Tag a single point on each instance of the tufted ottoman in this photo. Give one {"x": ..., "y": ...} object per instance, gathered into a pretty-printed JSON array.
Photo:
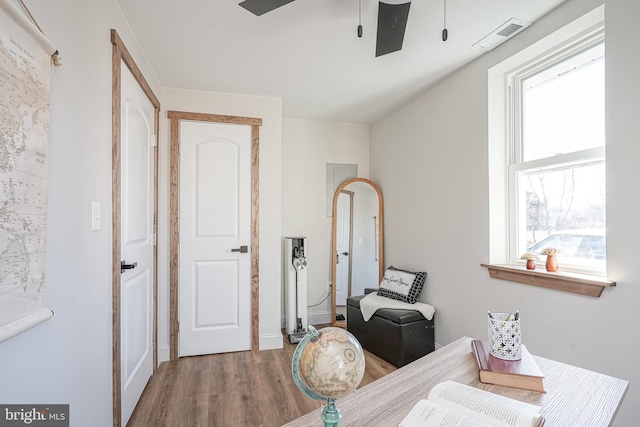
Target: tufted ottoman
[{"x": 397, "y": 336}]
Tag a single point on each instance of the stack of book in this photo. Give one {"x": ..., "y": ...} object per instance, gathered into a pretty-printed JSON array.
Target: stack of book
[{"x": 523, "y": 374}]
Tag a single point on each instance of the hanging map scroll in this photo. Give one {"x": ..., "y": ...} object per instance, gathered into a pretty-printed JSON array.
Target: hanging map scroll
[{"x": 25, "y": 58}]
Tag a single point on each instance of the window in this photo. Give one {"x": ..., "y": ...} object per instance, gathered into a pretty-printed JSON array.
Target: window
[{"x": 556, "y": 172}]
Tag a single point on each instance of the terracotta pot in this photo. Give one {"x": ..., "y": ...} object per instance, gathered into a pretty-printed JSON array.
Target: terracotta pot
[
  {"x": 552, "y": 263},
  {"x": 531, "y": 264}
]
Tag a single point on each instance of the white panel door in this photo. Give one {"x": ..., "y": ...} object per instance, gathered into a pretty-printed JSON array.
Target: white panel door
[
  {"x": 215, "y": 221},
  {"x": 137, "y": 136},
  {"x": 343, "y": 233}
]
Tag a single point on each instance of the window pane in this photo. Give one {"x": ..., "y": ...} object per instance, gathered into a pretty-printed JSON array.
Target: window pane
[
  {"x": 564, "y": 209},
  {"x": 563, "y": 107}
]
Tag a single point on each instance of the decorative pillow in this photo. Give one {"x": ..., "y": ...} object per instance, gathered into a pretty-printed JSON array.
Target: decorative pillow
[{"x": 402, "y": 285}]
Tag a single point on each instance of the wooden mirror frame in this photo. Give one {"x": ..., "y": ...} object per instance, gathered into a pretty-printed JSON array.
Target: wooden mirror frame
[{"x": 334, "y": 322}]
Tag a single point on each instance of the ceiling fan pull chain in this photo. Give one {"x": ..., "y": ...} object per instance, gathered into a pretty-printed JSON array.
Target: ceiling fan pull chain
[
  {"x": 359, "y": 18},
  {"x": 445, "y": 33}
]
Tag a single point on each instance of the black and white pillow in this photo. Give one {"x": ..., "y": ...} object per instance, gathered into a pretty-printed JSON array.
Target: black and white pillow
[{"x": 402, "y": 285}]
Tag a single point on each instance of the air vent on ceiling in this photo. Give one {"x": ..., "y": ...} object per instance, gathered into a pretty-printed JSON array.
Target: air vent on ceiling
[{"x": 502, "y": 34}]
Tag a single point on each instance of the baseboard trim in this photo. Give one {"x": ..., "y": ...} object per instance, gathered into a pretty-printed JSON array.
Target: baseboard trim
[
  {"x": 271, "y": 341},
  {"x": 163, "y": 354},
  {"x": 319, "y": 318}
]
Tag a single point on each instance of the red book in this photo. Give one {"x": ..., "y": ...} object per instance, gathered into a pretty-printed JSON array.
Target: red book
[{"x": 524, "y": 373}]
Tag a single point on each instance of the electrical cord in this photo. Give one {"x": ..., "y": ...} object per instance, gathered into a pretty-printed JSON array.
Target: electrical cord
[{"x": 325, "y": 298}]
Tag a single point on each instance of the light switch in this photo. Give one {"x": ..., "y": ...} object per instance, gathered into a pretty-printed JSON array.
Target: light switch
[
  {"x": 96, "y": 216},
  {"x": 359, "y": 240}
]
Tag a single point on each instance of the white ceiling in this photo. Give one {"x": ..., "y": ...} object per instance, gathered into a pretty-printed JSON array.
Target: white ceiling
[{"x": 307, "y": 52}]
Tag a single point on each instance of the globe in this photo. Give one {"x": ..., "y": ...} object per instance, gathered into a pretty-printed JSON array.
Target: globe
[{"x": 328, "y": 364}]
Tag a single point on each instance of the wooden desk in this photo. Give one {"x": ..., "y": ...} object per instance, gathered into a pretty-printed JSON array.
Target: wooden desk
[{"x": 575, "y": 397}]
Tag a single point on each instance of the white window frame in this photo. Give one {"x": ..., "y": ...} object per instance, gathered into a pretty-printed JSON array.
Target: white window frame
[{"x": 513, "y": 85}]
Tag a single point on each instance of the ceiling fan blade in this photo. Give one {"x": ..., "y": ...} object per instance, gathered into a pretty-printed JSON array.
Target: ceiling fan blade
[
  {"x": 259, "y": 7},
  {"x": 392, "y": 21}
]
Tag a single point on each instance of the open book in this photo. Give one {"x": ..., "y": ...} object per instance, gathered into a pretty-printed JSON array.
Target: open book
[{"x": 453, "y": 404}]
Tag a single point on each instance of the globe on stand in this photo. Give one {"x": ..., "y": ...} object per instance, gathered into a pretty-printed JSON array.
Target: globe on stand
[{"x": 326, "y": 365}]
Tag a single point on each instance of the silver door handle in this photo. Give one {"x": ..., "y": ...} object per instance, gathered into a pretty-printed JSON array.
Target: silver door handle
[{"x": 241, "y": 249}]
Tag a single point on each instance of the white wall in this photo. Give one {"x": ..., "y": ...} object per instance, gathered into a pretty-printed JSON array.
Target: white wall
[
  {"x": 270, "y": 111},
  {"x": 433, "y": 154},
  {"x": 307, "y": 146},
  {"x": 68, "y": 358}
]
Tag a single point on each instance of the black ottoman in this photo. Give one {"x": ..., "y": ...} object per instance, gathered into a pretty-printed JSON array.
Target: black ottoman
[{"x": 397, "y": 336}]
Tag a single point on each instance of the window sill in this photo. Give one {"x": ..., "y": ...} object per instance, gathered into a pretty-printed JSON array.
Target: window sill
[{"x": 568, "y": 282}]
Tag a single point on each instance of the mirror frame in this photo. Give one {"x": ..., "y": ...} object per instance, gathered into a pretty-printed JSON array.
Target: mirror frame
[{"x": 334, "y": 225}]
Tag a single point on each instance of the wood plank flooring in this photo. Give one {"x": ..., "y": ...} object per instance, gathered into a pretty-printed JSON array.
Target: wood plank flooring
[{"x": 251, "y": 388}]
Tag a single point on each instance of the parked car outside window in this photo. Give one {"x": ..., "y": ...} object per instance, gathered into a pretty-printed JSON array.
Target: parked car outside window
[{"x": 580, "y": 247}]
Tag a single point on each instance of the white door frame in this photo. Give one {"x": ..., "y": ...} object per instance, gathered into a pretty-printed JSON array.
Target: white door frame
[
  {"x": 174, "y": 211},
  {"x": 121, "y": 54}
]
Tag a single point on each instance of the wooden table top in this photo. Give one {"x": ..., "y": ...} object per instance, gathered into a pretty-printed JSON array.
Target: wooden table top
[{"x": 574, "y": 397}]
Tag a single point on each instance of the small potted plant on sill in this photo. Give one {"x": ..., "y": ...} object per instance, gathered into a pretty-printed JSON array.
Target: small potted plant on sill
[
  {"x": 552, "y": 260},
  {"x": 531, "y": 260}
]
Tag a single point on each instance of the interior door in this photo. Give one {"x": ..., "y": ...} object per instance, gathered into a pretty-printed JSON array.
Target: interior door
[
  {"x": 215, "y": 238},
  {"x": 343, "y": 244},
  {"x": 137, "y": 179}
]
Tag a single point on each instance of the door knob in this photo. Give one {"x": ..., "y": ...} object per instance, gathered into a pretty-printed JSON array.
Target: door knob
[
  {"x": 241, "y": 249},
  {"x": 124, "y": 266},
  {"x": 345, "y": 253}
]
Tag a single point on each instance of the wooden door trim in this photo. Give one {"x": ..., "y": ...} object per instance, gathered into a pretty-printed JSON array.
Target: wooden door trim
[
  {"x": 174, "y": 215},
  {"x": 120, "y": 53},
  {"x": 218, "y": 118},
  {"x": 350, "y": 272}
]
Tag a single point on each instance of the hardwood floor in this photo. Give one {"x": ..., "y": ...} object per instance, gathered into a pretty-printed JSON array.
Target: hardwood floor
[{"x": 251, "y": 388}]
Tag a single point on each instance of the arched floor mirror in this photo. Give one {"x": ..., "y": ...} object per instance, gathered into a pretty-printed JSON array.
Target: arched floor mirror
[{"x": 356, "y": 243}]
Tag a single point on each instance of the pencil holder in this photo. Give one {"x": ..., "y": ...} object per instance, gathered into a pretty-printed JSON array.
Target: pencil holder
[{"x": 505, "y": 340}]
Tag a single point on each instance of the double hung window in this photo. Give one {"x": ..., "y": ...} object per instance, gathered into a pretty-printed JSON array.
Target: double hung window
[{"x": 556, "y": 171}]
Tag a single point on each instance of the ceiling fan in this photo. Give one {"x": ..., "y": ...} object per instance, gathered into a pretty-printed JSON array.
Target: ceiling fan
[{"x": 392, "y": 21}]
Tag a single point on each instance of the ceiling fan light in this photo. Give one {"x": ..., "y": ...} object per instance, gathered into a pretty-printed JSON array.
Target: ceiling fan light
[
  {"x": 392, "y": 22},
  {"x": 259, "y": 7}
]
